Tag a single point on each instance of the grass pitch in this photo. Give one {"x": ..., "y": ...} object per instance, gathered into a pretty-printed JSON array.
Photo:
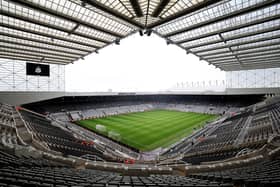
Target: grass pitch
[{"x": 150, "y": 129}]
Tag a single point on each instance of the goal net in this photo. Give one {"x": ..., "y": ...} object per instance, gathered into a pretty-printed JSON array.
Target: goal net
[
  {"x": 100, "y": 128},
  {"x": 114, "y": 135}
]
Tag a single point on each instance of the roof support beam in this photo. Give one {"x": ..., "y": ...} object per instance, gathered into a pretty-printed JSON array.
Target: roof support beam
[
  {"x": 231, "y": 59},
  {"x": 162, "y": 4},
  {"x": 29, "y": 20},
  {"x": 65, "y": 17},
  {"x": 275, "y": 61},
  {"x": 252, "y": 64},
  {"x": 244, "y": 60},
  {"x": 18, "y": 48},
  {"x": 239, "y": 36},
  {"x": 261, "y": 57},
  {"x": 136, "y": 7},
  {"x": 226, "y": 63},
  {"x": 40, "y": 55},
  {"x": 51, "y": 36},
  {"x": 50, "y": 47},
  {"x": 208, "y": 34},
  {"x": 114, "y": 13},
  {"x": 24, "y": 59},
  {"x": 73, "y": 30},
  {"x": 225, "y": 17},
  {"x": 246, "y": 53},
  {"x": 33, "y": 56},
  {"x": 235, "y": 56},
  {"x": 194, "y": 8},
  {"x": 239, "y": 44},
  {"x": 274, "y": 44},
  {"x": 29, "y": 59},
  {"x": 42, "y": 41},
  {"x": 40, "y": 47},
  {"x": 248, "y": 67}
]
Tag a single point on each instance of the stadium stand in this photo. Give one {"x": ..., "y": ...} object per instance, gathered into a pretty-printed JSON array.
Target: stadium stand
[
  {"x": 78, "y": 103},
  {"x": 264, "y": 173},
  {"x": 71, "y": 109},
  {"x": 26, "y": 171},
  {"x": 56, "y": 138},
  {"x": 235, "y": 150}
]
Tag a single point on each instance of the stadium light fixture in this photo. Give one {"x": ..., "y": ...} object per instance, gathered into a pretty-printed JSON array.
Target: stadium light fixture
[
  {"x": 222, "y": 38},
  {"x": 148, "y": 32},
  {"x": 117, "y": 41}
]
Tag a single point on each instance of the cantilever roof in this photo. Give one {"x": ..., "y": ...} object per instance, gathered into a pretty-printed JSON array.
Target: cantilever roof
[{"x": 230, "y": 34}]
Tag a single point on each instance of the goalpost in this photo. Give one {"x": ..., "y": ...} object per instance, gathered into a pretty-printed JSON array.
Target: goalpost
[
  {"x": 114, "y": 135},
  {"x": 111, "y": 134},
  {"x": 101, "y": 128}
]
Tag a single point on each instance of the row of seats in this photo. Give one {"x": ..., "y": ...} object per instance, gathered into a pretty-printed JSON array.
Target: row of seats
[
  {"x": 23, "y": 171},
  {"x": 57, "y": 138},
  {"x": 8, "y": 135},
  {"x": 216, "y": 141},
  {"x": 9, "y": 159},
  {"x": 275, "y": 118},
  {"x": 85, "y": 112},
  {"x": 253, "y": 126},
  {"x": 262, "y": 174},
  {"x": 219, "y": 139}
]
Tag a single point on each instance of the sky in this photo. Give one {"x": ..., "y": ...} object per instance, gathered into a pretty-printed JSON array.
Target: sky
[{"x": 139, "y": 63}]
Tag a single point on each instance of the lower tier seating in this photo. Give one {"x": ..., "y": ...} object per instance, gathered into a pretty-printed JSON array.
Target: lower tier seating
[
  {"x": 261, "y": 174},
  {"x": 56, "y": 138},
  {"x": 16, "y": 171}
]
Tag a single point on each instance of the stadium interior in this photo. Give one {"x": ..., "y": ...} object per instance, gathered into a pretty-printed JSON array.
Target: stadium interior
[{"x": 50, "y": 137}]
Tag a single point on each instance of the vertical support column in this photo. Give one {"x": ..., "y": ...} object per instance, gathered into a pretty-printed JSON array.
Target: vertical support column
[{"x": 14, "y": 76}]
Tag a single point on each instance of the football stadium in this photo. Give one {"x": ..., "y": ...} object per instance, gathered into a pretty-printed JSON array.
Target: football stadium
[{"x": 191, "y": 134}]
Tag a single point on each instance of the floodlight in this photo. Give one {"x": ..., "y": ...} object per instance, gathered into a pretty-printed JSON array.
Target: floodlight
[{"x": 117, "y": 41}]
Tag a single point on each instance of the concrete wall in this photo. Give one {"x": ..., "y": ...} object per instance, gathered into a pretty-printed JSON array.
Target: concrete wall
[{"x": 18, "y": 98}]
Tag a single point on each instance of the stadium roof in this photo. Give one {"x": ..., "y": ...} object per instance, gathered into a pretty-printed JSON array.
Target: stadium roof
[{"x": 230, "y": 34}]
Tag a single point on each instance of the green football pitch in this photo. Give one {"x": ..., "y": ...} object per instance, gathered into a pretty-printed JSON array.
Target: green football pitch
[{"x": 149, "y": 130}]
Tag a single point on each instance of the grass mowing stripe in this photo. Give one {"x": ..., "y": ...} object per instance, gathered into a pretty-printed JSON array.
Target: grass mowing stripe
[
  {"x": 164, "y": 126},
  {"x": 150, "y": 129},
  {"x": 167, "y": 135},
  {"x": 177, "y": 135}
]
